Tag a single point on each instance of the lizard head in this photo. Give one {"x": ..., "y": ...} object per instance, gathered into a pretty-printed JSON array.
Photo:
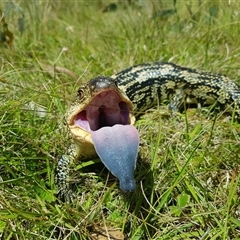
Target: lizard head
[{"x": 101, "y": 122}]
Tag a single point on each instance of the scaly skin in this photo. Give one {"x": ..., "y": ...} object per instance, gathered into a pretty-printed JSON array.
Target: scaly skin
[{"x": 143, "y": 87}]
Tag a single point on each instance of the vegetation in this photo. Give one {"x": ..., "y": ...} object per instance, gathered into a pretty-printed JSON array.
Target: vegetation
[{"x": 188, "y": 170}]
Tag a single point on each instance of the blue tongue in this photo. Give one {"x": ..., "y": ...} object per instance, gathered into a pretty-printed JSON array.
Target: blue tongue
[{"x": 117, "y": 147}]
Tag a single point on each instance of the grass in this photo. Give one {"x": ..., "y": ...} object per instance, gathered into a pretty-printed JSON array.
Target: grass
[{"x": 188, "y": 171}]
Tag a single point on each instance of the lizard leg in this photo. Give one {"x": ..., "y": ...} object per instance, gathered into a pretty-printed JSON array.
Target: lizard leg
[
  {"x": 180, "y": 99},
  {"x": 176, "y": 102},
  {"x": 64, "y": 192}
]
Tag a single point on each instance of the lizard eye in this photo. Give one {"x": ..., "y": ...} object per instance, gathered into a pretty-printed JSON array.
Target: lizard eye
[{"x": 80, "y": 93}]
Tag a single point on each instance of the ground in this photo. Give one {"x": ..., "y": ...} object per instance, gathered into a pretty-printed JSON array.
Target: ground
[{"x": 188, "y": 169}]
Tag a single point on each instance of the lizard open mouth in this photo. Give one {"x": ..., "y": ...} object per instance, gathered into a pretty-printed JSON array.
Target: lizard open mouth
[
  {"x": 108, "y": 120},
  {"x": 105, "y": 109}
]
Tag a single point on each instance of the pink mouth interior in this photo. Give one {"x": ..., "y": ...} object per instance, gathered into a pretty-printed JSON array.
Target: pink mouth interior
[{"x": 106, "y": 109}]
